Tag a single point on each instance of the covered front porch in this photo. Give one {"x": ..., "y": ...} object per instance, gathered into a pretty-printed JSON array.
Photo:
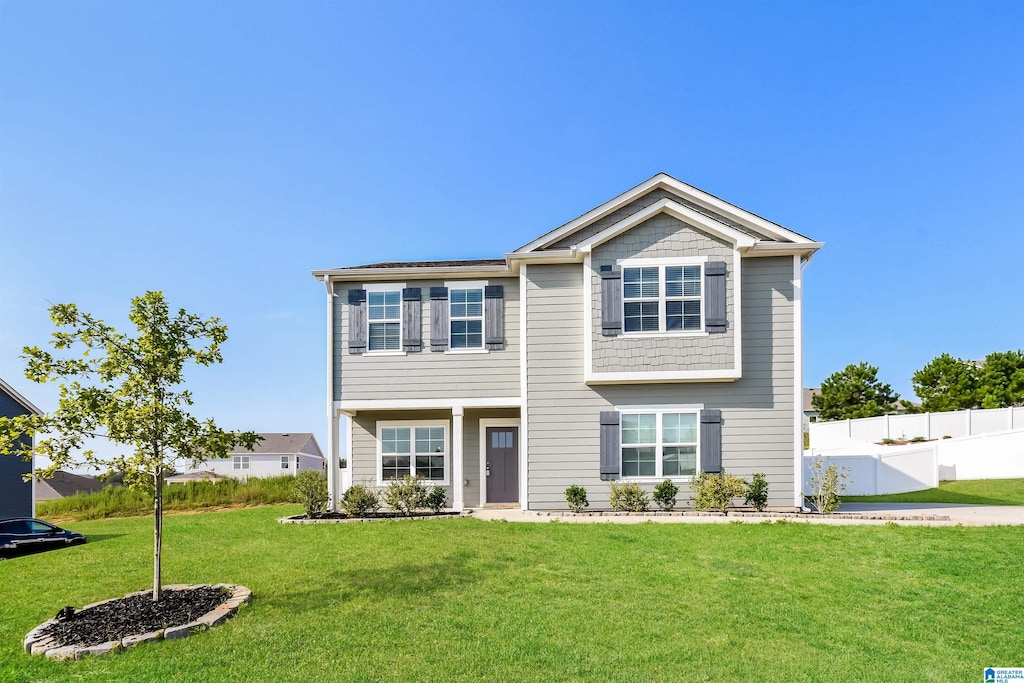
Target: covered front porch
[{"x": 472, "y": 449}]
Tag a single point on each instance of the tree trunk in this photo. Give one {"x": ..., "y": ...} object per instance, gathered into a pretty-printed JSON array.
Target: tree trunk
[{"x": 158, "y": 530}]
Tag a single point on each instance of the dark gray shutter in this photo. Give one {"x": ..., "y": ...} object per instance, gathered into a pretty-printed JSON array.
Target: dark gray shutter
[
  {"x": 714, "y": 297},
  {"x": 356, "y": 320},
  {"x": 611, "y": 301},
  {"x": 438, "y": 318},
  {"x": 494, "y": 317},
  {"x": 711, "y": 441},
  {"x": 412, "y": 328},
  {"x": 611, "y": 447}
]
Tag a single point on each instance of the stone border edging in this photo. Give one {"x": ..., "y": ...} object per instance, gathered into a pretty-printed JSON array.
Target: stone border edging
[
  {"x": 351, "y": 520},
  {"x": 38, "y": 644},
  {"x": 754, "y": 515}
]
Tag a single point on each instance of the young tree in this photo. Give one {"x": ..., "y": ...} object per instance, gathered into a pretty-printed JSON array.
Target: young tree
[
  {"x": 947, "y": 383},
  {"x": 1002, "y": 380},
  {"x": 855, "y": 391},
  {"x": 126, "y": 389}
]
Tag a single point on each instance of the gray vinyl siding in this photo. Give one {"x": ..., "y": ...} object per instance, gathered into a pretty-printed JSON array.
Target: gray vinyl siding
[
  {"x": 758, "y": 432},
  {"x": 363, "y": 458},
  {"x": 662, "y": 236},
  {"x": 427, "y": 374},
  {"x": 15, "y": 493}
]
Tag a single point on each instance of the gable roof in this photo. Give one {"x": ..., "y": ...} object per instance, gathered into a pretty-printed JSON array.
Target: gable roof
[
  {"x": 694, "y": 199},
  {"x": 63, "y": 484},
  {"x": 281, "y": 443},
  {"x": 18, "y": 398}
]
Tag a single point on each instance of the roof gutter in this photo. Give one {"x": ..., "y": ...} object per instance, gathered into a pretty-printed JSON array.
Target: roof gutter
[{"x": 413, "y": 273}]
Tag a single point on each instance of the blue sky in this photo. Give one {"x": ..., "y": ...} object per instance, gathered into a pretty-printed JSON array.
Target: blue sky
[{"x": 220, "y": 151}]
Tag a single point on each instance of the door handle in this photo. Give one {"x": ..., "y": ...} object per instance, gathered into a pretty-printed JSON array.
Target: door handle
[{"x": 488, "y": 471}]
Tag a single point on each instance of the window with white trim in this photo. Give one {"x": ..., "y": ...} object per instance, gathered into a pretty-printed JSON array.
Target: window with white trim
[
  {"x": 662, "y": 298},
  {"x": 239, "y": 462},
  {"x": 384, "y": 317},
  {"x": 466, "y": 318},
  {"x": 418, "y": 450},
  {"x": 659, "y": 444},
  {"x": 286, "y": 462}
]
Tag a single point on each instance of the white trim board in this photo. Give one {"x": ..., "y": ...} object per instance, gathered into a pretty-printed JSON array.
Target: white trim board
[
  {"x": 486, "y": 422},
  {"x": 352, "y": 407}
]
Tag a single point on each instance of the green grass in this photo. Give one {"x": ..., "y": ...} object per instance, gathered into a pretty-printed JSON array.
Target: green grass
[
  {"x": 971, "y": 492},
  {"x": 466, "y": 600},
  {"x": 120, "y": 501}
]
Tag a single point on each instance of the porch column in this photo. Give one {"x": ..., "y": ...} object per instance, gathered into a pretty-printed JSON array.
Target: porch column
[
  {"x": 458, "y": 500},
  {"x": 332, "y": 461}
]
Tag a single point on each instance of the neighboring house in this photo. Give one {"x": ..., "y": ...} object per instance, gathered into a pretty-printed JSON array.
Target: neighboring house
[
  {"x": 810, "y": 412},
  {"x": 275, "y": 455},
  {"x": 656, "y": 336},
  {"x": 16, "y": 498},
  {"x": 63, "y": 484}
]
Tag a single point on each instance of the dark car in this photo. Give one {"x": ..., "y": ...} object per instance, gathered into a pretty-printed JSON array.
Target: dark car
[{"x": 23, "y": 535}]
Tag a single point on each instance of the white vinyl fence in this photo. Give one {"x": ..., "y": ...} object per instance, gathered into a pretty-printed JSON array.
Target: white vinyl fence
[
  {"x": 954, "y": 425},
  {"x": 875, "y": 469}
]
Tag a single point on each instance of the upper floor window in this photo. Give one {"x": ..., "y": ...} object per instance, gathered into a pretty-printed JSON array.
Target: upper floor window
[
  {"x": 384, "y": 314},
  {"x": 467, "y": 318},
  {"x": 662, "y": 298}
]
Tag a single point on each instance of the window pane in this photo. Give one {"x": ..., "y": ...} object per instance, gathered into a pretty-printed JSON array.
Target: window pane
[
  {"x": 679, "y": 428},
  {"x": 691, "y": 281},
  {"x": 394, "y": 440},
  {"x": 679, "y": 461},
  {"x": 673, "y": 315},
  {"x": 385, "y": 336},
  {"x": 395, "y": 466},
  {"x": 638, "y": 428},
  {"x": 467, "y": 334},
  {"x": 430, "y": 439},
  {"x": 430, "y": 467},
  {"x": 649, "y": 282},
  {"x": 673, "y": 281},
  {"x": 691, "y": 315},
  {"x": 638, "y": 462}
]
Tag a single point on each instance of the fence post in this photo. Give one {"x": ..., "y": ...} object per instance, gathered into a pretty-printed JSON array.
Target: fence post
[
  {"x": 849, "y": 429},
  {"x": 888, "y": 427},
  {"x": 1009, "y": 416},
  {"x": 928, "y": 426},
  {"x": 968, "y": 422},
  {"x": 878, "y": 458}
]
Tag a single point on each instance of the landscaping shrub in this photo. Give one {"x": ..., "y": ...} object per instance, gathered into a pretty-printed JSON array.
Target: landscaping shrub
[
  {"x": 757, "y": 492},
  {"x": 716, "y": 491},
  {"x": 311, "y": 492},
  {"x": 665, "y": 495},
  {"x": 628, "y": 497},
  {"x": 359, "y": 500},
  {"x": 405, "y": 495},
  {"x": 436, "y": 499},
  {"x": 576, "y": 497},
  {"x": 827, "y": 485}
]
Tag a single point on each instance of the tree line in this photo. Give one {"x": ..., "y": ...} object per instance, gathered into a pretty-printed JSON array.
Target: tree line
[{"x": 944, "y": 383}]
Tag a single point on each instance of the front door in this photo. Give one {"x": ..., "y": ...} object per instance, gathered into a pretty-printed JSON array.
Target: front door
[{"x": 502, "y": 464}]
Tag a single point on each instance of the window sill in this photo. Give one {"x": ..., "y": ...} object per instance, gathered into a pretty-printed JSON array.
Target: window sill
[
  {"x": 457, "y": 352},
  {"x": 693, "y": 333},
  {"x": 385, "y": 353},
  {"x": 685, "y": 479},
  {"x": 426, "y": 482}
]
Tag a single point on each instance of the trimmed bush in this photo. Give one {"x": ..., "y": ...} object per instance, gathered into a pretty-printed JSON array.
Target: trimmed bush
[
  {"x": 757, "y": 492},
  {"x": 311, "y": 492},
  {"x": 665, "y": 495},
  {"x": 405, "y": 495},
  {"x": 436, "y": 499},
  {"x": 359, "y": 500},
  {"x": 576, "y": 497},
  {"x": 716, "y": 491},
  {"x": 628, "y": 497},
  {"x": 827, "y": 485}
]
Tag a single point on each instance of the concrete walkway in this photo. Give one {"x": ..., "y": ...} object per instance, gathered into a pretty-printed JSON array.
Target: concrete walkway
[{"x": 967, "y": 515}]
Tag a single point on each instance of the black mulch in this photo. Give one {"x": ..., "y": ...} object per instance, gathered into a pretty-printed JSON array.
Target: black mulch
[{"x": 134, "y": 616}]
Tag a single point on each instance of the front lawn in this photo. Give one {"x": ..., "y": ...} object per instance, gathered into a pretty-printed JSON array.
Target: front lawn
[
  {"x": 971, "y": 492},
  {"x": 465, "y": 600}
]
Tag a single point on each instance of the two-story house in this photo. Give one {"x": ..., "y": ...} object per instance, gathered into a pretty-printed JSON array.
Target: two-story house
[{"x": 654, "y": 337}]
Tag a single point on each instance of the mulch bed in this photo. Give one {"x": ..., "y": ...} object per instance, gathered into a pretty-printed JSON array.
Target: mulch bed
[
  {"x": 386, "y": 514},
  {"x": 133, "y": 615}
]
